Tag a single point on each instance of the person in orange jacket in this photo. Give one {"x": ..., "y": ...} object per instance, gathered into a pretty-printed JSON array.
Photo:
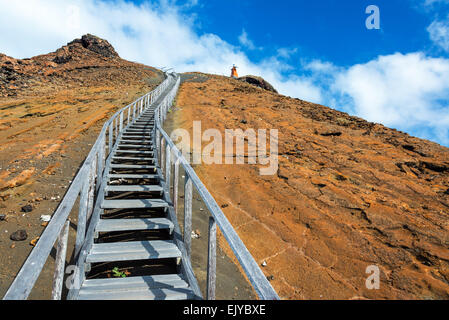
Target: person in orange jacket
[{"x": 234, "y": 72}]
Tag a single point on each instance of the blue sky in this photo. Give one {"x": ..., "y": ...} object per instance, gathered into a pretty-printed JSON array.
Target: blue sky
[
  {"x": 327, "y": 30},
  {"x": 318, "y": 51}
]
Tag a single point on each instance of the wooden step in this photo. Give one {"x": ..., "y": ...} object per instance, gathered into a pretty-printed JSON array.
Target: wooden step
[
  {"x": 133, "y": 250},
  {"x": 140, "y": 294},
  {"x": 134, "y": 188},
  {"x": 132, "y": 176},
  {"x": 112, "y": 225},
  {"x": 146, "y": 129},
  {"x": 133, "y": 159},
  {"x": 148, "y": 133},
  {"x": 141, "y": 126},
  {"x": 134, "y": 152},
  {"x": 133, "y": 204},
  {"x": 155, "y": 281},
  {"x": 134, "y": 146},
  {"x": 138, "y": 132},
  {"x": 137, "y": 138},
  {"x": 131, "y": 166},
  {"x": 135, "y": 141}
]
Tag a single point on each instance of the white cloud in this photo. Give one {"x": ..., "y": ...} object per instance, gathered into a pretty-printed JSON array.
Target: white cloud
[
  {"x": 286, "y": 53},
  {"x": 432, "y": 2},
  {"x": 245, "y": 41},
  {"x": 409, "y": 92},
  {"x": 439, "y": 33}
]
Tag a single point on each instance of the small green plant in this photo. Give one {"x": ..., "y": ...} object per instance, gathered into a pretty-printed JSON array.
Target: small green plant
[{"x": 117, "y": 273}]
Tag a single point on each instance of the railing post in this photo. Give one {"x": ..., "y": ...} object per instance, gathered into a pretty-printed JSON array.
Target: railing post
[
  {"x": 162, "y": 155},
  {"x": 211, "y": 259},
  {"x": 91, "y": 196},
  {"x": 61, "y": 251},
  {"x": 111, "y": 136},
  {"x": 159, "y": 114},
  {"x": 114, "y": 122},
  {"x": 167, "y": 167},
  {"x": 82, "y": 216},
  {"x": 121, "y": 121},
  {"x": 188, "y": 214},
  {"x": 175, "y": 186},
  {"x": 100, "y": 162}
]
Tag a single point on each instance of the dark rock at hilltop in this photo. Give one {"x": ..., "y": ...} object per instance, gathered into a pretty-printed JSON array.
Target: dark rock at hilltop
[
  {"x": 259, "y": 82},
  {"x": 97, "y": 45}
]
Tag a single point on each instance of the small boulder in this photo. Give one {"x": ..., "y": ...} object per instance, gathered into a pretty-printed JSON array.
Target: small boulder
[
  {"x": 27, "y": 208},
  {"x": 45, "y": 218},
  {"x": 19, "y": 235},
  {"x": 331, "y": 134},
  {"x": 258, "y": 82}
]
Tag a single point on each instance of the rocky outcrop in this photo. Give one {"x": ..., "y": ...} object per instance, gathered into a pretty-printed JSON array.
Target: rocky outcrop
[
  {"x": 259, "y": 82},
  {"x": 88, "y": 52},
  {"x": 97, "y": 45},
  {"x": 89, "y": 42}
]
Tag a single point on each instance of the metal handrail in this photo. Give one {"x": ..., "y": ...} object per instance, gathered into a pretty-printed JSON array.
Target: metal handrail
[
  {"x": 172, "y": 156},
  {"x": 85, "y": 184}
]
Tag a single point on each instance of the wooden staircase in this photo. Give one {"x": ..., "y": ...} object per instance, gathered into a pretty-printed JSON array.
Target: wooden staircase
[{"x": 134, "y": 187}]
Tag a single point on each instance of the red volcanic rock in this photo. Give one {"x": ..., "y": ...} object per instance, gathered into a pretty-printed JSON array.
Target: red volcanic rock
[
  {"x": 97, "y": 45},
  {"x": 258, "y": 82}
]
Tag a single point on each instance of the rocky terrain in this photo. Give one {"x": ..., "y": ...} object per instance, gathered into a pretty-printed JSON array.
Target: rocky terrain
[
  {"x": 52, "y": 108},
  {"x": 348, "y": 194}
]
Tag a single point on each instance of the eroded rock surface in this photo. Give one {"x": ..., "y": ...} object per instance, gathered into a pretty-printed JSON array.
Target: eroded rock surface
[{"x": 258, "y": 82}]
